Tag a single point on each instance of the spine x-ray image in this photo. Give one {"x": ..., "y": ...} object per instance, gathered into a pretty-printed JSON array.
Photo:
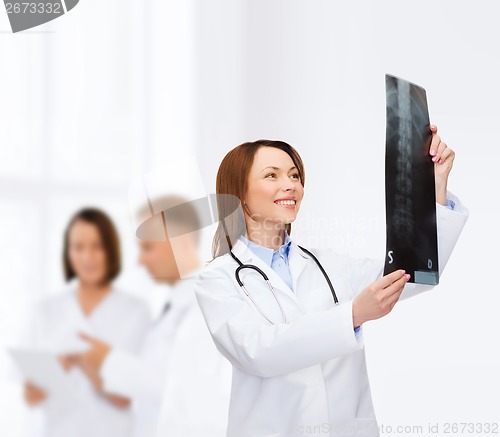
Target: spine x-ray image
[{"x": 409, "y": 184}]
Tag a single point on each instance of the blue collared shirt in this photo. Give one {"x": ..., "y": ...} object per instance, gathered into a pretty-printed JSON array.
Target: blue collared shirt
[{"x": 276, "y": 259}]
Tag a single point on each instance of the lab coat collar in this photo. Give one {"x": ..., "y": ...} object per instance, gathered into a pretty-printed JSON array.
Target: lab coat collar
[
  {"x": 297, "y": 261},
  {"x": 106, "y": 301}
]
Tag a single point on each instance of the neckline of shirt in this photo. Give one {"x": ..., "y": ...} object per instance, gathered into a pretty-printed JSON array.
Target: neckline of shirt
[{"x": 266, "y": 254}]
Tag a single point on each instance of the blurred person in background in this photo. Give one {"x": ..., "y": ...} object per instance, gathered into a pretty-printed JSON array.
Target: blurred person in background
[
  {"x": 180, "y": 383},
  {"x": 92, "y": 304}
]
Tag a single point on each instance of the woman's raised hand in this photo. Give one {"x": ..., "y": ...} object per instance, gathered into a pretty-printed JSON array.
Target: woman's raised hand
[
  {"x": 443, "y": 157},
  {"x": 378, "y": 299}
]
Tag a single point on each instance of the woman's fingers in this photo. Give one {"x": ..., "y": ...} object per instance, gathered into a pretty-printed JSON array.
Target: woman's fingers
[
  {"x": 436, "y": 140},
  {"x": 377, "y": 299},
  {"x": 33, "y": 394},
  {"x": 390, "y": 278},
  {"x": 390, "y": 294},
  {"x": 447, "y": 153},
  {"x": 439, "y": 152},
  {"x": 396, "y": 287}
]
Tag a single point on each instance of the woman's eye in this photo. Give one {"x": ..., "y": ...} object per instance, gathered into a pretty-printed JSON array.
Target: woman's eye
[
  {"x": 270, "y": 174},
  {"x": 296, "y": 175}
]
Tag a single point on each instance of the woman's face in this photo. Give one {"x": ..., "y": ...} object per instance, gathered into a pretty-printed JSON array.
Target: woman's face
[
  {"x": 86, "y": 253},
  {"x": 274, "y": 188}
]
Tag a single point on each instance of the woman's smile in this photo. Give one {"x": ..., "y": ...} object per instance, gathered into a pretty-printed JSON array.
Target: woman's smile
[{"x": 287, "y": 202}]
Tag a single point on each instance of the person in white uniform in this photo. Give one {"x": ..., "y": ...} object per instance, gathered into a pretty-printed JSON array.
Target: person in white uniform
[
  {"x": 179, "y": 384},
  {"x": 92, "y": 304},
  {"x": 306, "y": 375}
]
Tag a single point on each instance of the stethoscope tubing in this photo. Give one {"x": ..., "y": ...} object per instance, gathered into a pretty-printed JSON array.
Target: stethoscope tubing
[{"x": 242, "y": 266}]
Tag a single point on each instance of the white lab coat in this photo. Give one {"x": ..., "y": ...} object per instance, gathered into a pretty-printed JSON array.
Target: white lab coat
[
  {"x": 120, "y": 320},
  {"x": 308, "y": 377},
  {"x": 180, "y": 383}
]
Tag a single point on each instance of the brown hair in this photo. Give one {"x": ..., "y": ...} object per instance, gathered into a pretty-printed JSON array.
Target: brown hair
[
  {"x": 232, "y": 179},
  {"x": 109, "y": 238}
]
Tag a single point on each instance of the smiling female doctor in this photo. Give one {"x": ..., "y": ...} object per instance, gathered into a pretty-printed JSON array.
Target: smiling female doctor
[{"x": 298, "y": 358}]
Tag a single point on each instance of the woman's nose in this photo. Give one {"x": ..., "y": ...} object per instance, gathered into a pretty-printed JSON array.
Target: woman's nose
[{"x": 288, "y": 186}]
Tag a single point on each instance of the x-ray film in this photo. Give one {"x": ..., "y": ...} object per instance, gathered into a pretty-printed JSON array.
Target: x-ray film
[{"x": 409, "y": 184}]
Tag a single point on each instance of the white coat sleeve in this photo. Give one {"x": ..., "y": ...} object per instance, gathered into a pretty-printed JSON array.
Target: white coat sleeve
[
  {"x": 127, "y": 375},
  {"x": 364, "y": 271},
  {"x": 138, "y": 325},
  {"x": 257, "y": 348},
  {"x": 198, "y": 385}
]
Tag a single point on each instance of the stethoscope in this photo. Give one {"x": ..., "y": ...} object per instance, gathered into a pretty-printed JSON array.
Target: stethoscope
[{"x": 254, "y": 267}]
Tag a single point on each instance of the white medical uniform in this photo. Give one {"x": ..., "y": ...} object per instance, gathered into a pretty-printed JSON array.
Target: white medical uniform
[
  {"x": 307, "y": 377},
  {"x": 180, "y": 383},
  {"x": 120, "y": 320}
]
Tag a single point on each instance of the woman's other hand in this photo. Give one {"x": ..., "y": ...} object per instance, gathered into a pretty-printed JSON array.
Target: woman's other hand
[
  {"x": 378, "y": 299},
  {"x": 90, "y": 362},
  {"x": 66, "y": 362},
  {"x": 33, "y": 395},
  {"x": 443, "y": 157}
]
